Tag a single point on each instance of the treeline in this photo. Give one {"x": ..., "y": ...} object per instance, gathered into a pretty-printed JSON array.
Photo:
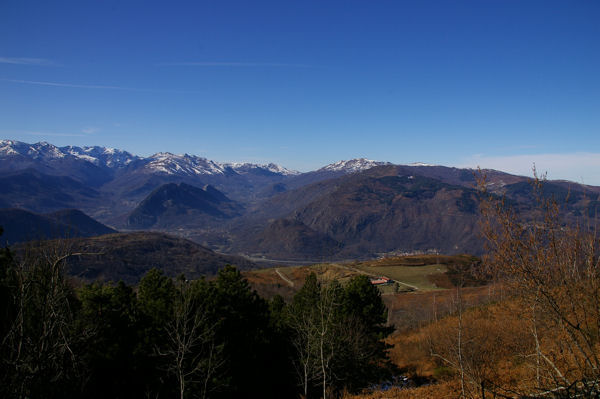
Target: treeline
[{"x": 170, "y": 337}]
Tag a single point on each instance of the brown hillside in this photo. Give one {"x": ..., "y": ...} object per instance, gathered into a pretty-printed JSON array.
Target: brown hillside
[{"x": 128, "y": 256}]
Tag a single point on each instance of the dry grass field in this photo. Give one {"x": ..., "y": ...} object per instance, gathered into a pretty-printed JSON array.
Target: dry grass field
[
  {"x": 422, "y": 304},
  {"x": 420, "y": 273}
]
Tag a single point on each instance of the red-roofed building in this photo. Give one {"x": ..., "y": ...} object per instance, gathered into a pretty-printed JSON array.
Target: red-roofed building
[{"x": 380, "y": 280}]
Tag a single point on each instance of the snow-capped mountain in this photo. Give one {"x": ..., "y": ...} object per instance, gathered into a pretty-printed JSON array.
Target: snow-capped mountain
[
  {"x": 265, "y": 209},
  {"x": 245, "y": 167},
  {"x": 168, "y": 163},
  {"x": 37, "y": 151},
  {"x": 352, "y": 165},
  {"x": 186, "y": 165},
  {"x": 162, "y": 163},
  {"x": 43, "y": 151},
  {"x": 106, "y": 181},
  {"x": 111, "y": 158},
  {"x": 101, "y": 156},
  {"x": 420, "y": 164}
]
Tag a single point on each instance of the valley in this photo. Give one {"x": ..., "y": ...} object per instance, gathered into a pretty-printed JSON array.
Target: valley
[{"x": 356, "y": 209}]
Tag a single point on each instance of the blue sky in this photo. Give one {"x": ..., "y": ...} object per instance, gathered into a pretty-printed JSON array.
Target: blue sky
[{"x": 499, "y": 84}]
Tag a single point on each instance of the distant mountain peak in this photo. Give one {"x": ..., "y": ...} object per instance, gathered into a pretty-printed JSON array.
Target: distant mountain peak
[
  {"x": 179, "y": 203},
  {"x": 41, "y": 150},
  {"x": 245, "y": 167},
  {"x": 6, "y": 147},
  {"x": 420, "y": 164},
  {"x": 105, "y": 156},
  {"x": 183, "y": 164},
  {"x": 272, "y": 167},
  {"x": 353, "y": 165},
  {"x": 162, "y": 162},
  {"x": 99, "y": 156}
]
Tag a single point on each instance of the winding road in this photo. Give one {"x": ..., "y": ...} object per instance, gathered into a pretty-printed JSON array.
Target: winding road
[{"x": 284, "y": 278}]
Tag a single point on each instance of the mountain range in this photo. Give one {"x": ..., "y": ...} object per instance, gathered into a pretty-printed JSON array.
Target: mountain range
[{"x": 348, "y": 209}]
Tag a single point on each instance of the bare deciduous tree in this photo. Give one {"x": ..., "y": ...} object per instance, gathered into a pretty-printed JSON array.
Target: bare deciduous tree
[
  {"x": 328, "y": 329},
  {"x": 304, "y": 340},
  {"x": 194, "y": 357},
  {"x": 316, "y": 323},
  {"x": 551, "y": 261},
  {"x": 39, "y": 346}
]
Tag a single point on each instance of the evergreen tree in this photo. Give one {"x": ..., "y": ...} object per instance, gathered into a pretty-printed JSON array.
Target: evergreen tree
[
  {"x": 242, "y": 327},
  {"x": 364, "y": 355},
  {"x": 156, "y": 297},
  {"x": 108, "y": 318},
  {"x": 280, "y": 350},
  {"x": 337, "y": 335},
  {"x": 8, "y": 308}
]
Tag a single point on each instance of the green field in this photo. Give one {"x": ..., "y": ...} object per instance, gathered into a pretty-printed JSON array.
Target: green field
[{"x": 416, "y": 276}]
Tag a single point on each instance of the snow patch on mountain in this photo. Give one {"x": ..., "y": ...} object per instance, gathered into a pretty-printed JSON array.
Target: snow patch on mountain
[
  {"x": 420, "y": 164},
  {"x": 352, "y": 165},
  {"x": 7, "y": 148},
  {"x": 41, "y": 150},
  {"x": 99, "y": 156},
  {"x": 245, "y": 167},
  {"x": 171, "y": 164},
  {"x": 102, "y": 156}
]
